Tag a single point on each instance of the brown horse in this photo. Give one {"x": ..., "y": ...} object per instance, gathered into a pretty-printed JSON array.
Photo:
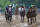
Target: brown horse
[
  {"x": 29, "y": 15},
  {"x": 34, "y": 13}
]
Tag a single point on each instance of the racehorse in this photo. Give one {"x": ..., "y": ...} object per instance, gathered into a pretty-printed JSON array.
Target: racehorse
[
  {"x": 22, "y": 14},
  {"x": 29, "y": 15},
  {"x": 8, "y": 13},
  {"x": 34, "y": 13}
]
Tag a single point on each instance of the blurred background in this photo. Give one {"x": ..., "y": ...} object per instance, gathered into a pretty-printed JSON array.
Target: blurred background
[{"x": 27, "y": 3}]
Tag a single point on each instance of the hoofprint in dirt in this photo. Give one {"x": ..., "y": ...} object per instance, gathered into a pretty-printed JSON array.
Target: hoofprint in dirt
[{"x": 16, "y": 22}]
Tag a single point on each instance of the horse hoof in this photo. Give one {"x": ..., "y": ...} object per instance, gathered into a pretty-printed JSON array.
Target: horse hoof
[
  {"x": 22, "y": 21},
  {"x": 35, "y": 22},
  {"x": 29, "y": 24}
]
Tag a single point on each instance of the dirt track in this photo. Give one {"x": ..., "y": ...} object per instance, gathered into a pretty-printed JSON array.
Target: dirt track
[{"x": 16, "y": 22}]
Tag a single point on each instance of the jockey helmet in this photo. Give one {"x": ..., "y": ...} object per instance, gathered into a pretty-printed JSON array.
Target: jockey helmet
[{"x": 10, "y": 5}]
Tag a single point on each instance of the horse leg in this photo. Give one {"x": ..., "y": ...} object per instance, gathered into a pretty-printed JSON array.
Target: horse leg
[
  {"x": 31, "y": 20},
  {"x": 21, "y": 17},
  {"x": 35, "y": 18},
  {"x": 6, "y": 18},
  {"x": 28, "y": 20},
  {"x": 10, "y": 18}
]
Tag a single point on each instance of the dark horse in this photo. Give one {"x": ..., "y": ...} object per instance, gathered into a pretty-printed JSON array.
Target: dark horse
[
  {"x": 8, "y": 14},
  {"x": 29, "y": 15},
  {"x": 34, "y": 15},
  {"x": 22, "y": 14}
]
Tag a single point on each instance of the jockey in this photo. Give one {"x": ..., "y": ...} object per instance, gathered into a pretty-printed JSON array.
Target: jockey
[
  {"x": 7, "y": 8},
  {"x": 22, "y": 8},
  {"x": 10, "y": 10},
  {"x": 22, "y": 11},
  {"x": 30, "y": 8},
  {"x": 16, "y": 10},
  {"x": 34, "y": 8},
  {"x": 10, "y": 7},
  {"x": 29, "y": 11}
]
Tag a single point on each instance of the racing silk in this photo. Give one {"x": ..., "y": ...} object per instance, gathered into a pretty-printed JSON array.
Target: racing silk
[
  {"x": 10, "y": 11},
  {"x": 22, "y": 9}
]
